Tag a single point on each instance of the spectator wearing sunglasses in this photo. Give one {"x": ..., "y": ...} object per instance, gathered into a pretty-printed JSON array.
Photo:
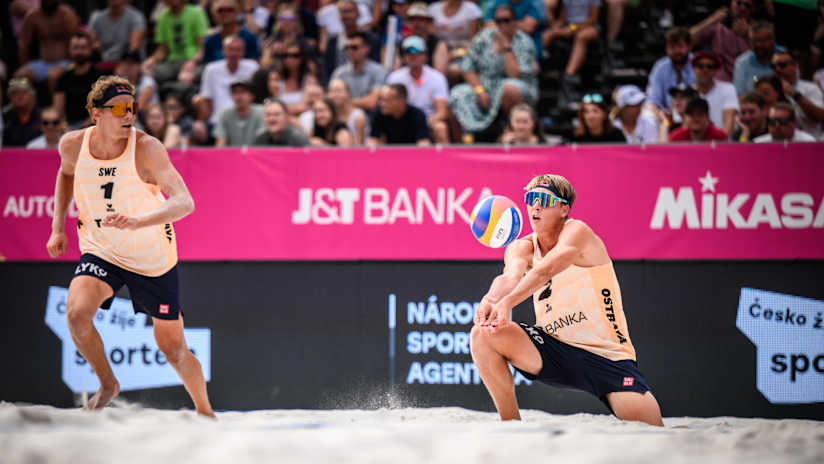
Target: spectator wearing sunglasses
[
  {"x": 22, "y": 117},
  {"x": 752, "y": 120},
  {"x": 225, "y": 14},
  {"x": 757, "y": 62},
  {"x": 363, "y": 76},
  {"x": 52, "y": 125},
  {"x": 782, "y": 126},
  {"x": 334, "y": 48},
  {"x": 672, "y": 70},
  {"x": 529, "y": 17},
  {"x": 697, "y": 126},
  {"x": 805, "y": 96},
  {"x": 594, "y": 125},
  {"x": 720, "y": 96},
  {"x": 726, "y": 32}
]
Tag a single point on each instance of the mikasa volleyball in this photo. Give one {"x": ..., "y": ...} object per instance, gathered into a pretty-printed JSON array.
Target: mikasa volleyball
[{"x": 496, "y": 221}]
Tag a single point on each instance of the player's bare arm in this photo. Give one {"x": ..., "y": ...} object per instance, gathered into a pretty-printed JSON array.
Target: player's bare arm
[
  {"x": 69, "y": 148},
  {"x": 516, "y": 263},
  {"x": 572, "y": 245},
  {"x": 155, "y": 167}
]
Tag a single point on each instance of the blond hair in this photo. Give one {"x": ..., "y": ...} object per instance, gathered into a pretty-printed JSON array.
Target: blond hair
[
  {"x": 100, "y": 86},
  {"x": 557, "y": 182}
]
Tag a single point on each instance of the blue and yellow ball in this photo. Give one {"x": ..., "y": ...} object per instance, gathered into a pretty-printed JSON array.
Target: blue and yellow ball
[{"x": 496, "y": 221}]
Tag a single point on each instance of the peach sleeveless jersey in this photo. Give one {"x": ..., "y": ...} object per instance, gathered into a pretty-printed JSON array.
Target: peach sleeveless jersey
[
  {"x": 103, "y": 187},
  {"x": 582, "y": 307}
]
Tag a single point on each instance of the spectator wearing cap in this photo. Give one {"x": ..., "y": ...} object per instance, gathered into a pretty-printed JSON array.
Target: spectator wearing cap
[
  {"x": 637, "y": 125},
  {"x": 594, "y": 125},
  {"x": 179, "y": 35},
  {"x": 805, "y": 96},
  {"x": 363, "y": 76},
  {"x": 50, "y": 28},
  {"x": 752, "y": 120},
  {"x": 279, "y": 131},
  {"x": 225, "y": 14},
  {"x": 397, "y": 122},
  {"x": 76, "y": 82},
  {"x": 720, "y": 95},
  {"x": 671, "y": 70},
  {"x": 680, "y": 95},
  {"x": 53, "y": 125},
  {"x": 456, "y": 21},
  {"x": 782, "y": 126},
  {"x": 334, "y": 48},
  {"x": 726, "y": 32},
  {"x": 241, "y": 123},
  {"x": 215, "y": 93},
  {"x": 22, "y": 117},
  {"x": 420, "y": 22},
  {"x": 757, "y": 62},
  {"x": 578, "y": 22},
  {"x": 697, "y": 125},
  {"x": 145, "y": 85},
  {"x": 116, "y": 30},
  {"x": 426, "y": 88}
]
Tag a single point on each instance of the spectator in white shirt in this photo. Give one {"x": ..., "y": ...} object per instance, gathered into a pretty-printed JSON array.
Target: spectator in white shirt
[
  {"x": 720, "y": 95},
  {"x": 782, "y": 126},
  {"x": 215, "y": 94},
  {"x": 806, "y": 97},
  {"x": 53, "y": 126},
  {"x": 638, "y": 126}
]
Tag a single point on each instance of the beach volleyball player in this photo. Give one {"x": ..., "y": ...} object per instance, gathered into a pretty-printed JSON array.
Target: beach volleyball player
[
  {"x": 580, "y": 339},
  {"x": 116, "y": 174}
]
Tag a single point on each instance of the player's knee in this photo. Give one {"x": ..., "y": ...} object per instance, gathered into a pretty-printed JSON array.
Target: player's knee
[
  {"x": 174, "y": 350},
  {"x": 78, "y": 314},
  {"x": 479, "y": 339}
]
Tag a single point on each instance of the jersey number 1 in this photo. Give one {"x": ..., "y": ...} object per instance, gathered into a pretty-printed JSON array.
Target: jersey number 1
[{"x": 107, "y": 190}]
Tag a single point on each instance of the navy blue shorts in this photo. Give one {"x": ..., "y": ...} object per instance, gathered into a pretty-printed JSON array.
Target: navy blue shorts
[
  {"x": 567, "y": 366},
  {"x": 156, "y": 296}
]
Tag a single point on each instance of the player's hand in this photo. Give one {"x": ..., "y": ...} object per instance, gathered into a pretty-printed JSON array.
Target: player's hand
[
  {"x": 482, "y": 312},
  {"x": 497, "y": 317},
  {"x": 120, "y": 221},
  {"x": 57, "y": 244}
]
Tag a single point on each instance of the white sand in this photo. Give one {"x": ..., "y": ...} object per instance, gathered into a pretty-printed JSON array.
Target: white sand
[{"x": 131, "y": 434}]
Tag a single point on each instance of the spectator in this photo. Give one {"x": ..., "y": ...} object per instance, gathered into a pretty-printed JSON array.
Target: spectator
[
  {"x": 770, "y": 88},
  {"x": 311, "y": 94},
  {"x": 278, "y": 129},
  {"x": 330, "y": 23},
  {"x": 805, "y": 96},
  {"x": 118, "y": 29},
  {"x": 145, "y": 86},
  {"x": 354, "y": 117},
  {"x": 306, "y": 22},
  {"x": 76, "y": 82},
  {"x": 528, "y": 16},
  {"x": 335, "y": 52},
  {"x": 225, "y": 12},
  {"x": 176, "y": 113},
  {"x": 752, "y": 122},
  {"x": 156, "y": 124},
  {"x": 457, "y": 22},
  {"x": 426, "y": 87},
  {"x": 637, "y": 125},
  {"x": 288, "y": 32},
  {"x": 420, "y": 22},
  {"x": 328, "y": 130},
  {"x": 782, "y": 126},
  {"x": 697, "y": 126},
  {"x": 523, "y": 127},
  {"x": 50, "y": 27},
  {"x": 215, "y": 94},
  {"x": 680, "y": 95},
  {"x": 240, "y": 124},
  {"x": 756, "y": 62},
  {"x": 594, "y": 125},
  {"x": 179, "y": 35},
  {"x": 726, "y": 32},
  {"x": 53, "y": 126},
  {"x": 296, "y": 72},
  {"x": 577, "y": 22},
  {"x": 397, "y": 122},
  {"x": 671, "y": 70},
  {"x": 363, "y": 75},
  {"x": 22, "y": 118},
  {"x": 500, "y": 72},
  {"x": 795, "y": 24},
  {"x": 721, "y": 96}
]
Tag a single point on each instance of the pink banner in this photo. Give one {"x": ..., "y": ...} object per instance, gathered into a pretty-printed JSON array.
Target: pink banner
[{"x": 726, "y": 201}]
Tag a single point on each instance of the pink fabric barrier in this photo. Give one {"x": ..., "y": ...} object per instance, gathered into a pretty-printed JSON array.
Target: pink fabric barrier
[{"x": 656, "y": 202}]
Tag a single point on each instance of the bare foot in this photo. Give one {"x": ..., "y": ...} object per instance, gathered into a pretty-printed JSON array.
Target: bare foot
[
  {"x": 210, "y": 414},
  {"x": 103, "y": 396}
]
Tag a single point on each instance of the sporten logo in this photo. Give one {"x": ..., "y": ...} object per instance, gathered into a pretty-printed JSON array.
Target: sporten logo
[{"x": 798, "y": 210}]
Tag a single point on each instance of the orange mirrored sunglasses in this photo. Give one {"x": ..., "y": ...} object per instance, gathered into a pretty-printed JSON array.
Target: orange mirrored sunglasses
[{"x": 120, "y": 109}]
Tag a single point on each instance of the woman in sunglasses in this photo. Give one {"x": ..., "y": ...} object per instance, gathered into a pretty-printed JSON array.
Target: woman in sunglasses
[
  {"x": 53, "y": 126},
  {"x": 594, "y": 125},
  {"x": 296, "y": 72},
  {"x": 579, "y": 342}
]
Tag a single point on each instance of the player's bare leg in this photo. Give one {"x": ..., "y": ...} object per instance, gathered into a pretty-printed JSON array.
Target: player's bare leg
[
  {"x": 633, "y": 406},
  {"x": 169, "y": 336},
  {"x": 86, "y": 294},
  {"x": 491, "y": 352}
]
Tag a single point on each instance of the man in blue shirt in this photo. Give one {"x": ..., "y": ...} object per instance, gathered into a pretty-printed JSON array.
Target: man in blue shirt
[
  {"x": 672, "y": 69},
  {"x": 757, "y": 61},
  {"x": 225, "y": 14}
]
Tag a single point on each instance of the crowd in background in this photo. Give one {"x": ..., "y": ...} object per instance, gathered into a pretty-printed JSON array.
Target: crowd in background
[{"x": 354, "y": 72}]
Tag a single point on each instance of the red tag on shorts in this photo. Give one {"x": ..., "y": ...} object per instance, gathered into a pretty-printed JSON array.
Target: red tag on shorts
[
  {"x": 164, "y": 309},
  {"x": 628, "y": 381}
]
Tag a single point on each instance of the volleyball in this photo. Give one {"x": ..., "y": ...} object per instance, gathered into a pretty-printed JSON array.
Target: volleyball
[{"x": 496, "y": 221}]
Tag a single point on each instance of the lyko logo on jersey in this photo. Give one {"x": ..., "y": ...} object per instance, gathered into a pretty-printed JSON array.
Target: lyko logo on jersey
[
  {"x": 379, "y": 206},
  {"x": 91, "y": 268},
  {"x": 798, "y": 210}
]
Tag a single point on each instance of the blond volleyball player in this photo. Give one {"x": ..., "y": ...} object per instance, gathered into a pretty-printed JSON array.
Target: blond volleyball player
[
  {"x": 580, "y": 339},
  {"x": 116, "y": 175}
]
